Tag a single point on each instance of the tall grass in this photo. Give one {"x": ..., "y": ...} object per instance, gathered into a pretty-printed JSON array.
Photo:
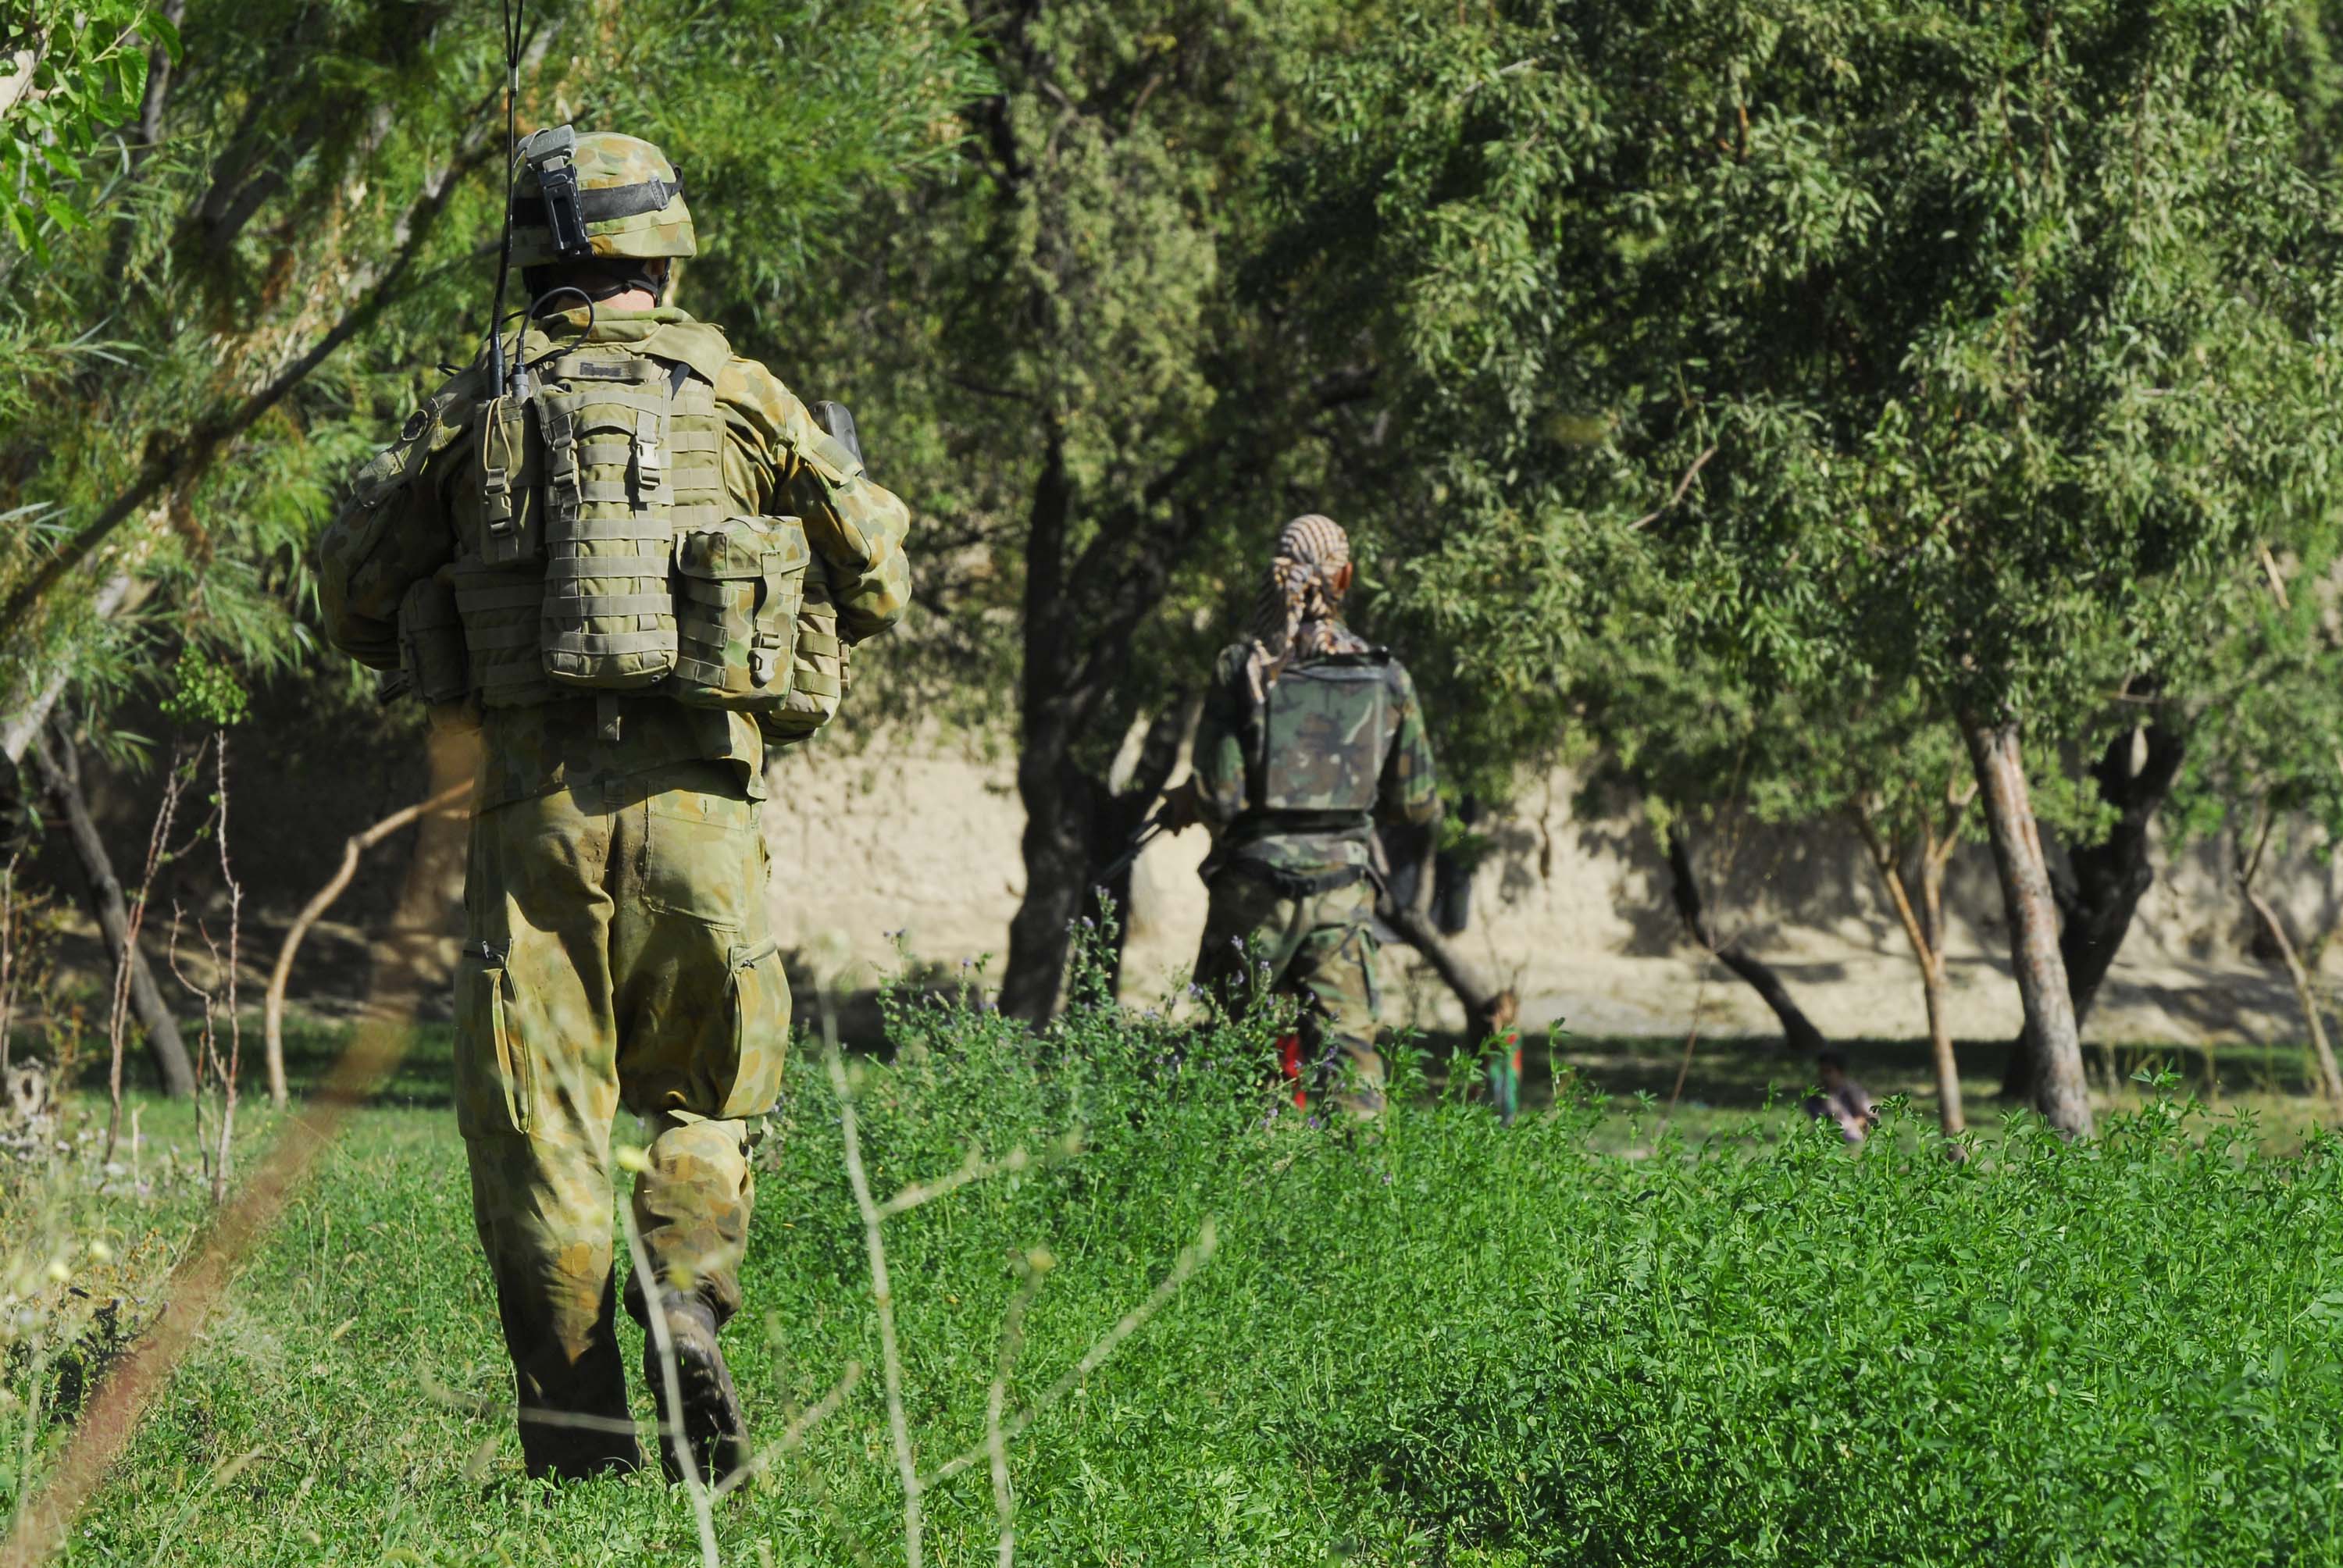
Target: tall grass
[{"x": 1436, "y": 1341}]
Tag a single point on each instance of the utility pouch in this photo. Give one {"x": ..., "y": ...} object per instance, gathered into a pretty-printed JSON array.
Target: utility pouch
[
  {"x": 739, "y": 586},
  {"x": 820, "y": 669},
  {"x": 501, "y": 610},
  {"x": 431, "y": 652},
  {"x": 610, "y": 525},
  {"x": 502, "y": 451}
]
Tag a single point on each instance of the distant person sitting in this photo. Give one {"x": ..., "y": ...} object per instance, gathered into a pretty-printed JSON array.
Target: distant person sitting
[{"x": 1842, "y": 1100}]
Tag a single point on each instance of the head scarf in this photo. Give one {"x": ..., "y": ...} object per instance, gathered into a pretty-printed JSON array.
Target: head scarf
[{"x": 1298, "y": 614}]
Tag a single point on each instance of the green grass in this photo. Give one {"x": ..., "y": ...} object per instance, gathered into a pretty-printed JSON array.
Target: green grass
[{"x": 1447, "y": 1343}]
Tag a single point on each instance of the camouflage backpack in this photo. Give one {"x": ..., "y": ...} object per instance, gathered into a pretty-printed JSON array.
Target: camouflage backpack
[{"x": 1322, "y": 728}]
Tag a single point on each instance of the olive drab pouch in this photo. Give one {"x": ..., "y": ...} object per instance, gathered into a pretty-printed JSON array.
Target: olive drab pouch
[
  {"x": 820, "y": 669},
  {"x": 739, "y": 586},
  {"x": 566, "y": 527},
  {"x": 1324, "y": 726},
  {"x": 606, "y": 421},
  {"x": 431, "y": 652}
]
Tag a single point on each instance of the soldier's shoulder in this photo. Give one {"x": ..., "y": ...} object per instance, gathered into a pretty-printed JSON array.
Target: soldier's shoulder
[
  {"x": 701, "y": 345},
  {"x": 751, "y": 387},
  {"x": 437, "y": 423},
  {"x": 751, "y": 384}
]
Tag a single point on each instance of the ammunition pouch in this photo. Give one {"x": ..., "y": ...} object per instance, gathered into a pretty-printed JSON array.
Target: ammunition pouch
[
  {"x": 739, "y": 586},
  {"x": 431, "y": 653},
  {"x": 821, "y": 669}
]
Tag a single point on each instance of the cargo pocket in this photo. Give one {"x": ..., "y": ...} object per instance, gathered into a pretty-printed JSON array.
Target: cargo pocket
[
  {"x": 494, "y": 1079},
  {"x": 761, "y": 1030}
]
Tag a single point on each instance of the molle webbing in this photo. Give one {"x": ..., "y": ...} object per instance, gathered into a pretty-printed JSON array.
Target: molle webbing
[
  {"x": 631, "y": 459},
  {"x": 600, "y": 551},
  {"x": 502, "y": 613},
  {"x": 820, "y": 669}
]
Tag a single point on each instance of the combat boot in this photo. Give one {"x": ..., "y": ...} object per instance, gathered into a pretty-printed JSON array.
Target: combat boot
[{"x": 712, "y": 1408}]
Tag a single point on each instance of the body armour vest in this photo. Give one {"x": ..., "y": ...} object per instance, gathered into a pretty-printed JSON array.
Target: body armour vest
[
  {"x": 597, "y": 549},
  {"x": 1323, "y": 729}
]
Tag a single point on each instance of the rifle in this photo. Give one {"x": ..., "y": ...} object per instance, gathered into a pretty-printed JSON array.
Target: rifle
[
  {"x": 836, "y": 419},
  {"x": 1147, "y": 833}
]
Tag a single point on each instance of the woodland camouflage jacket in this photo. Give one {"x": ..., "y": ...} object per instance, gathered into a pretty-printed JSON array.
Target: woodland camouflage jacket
[
  {"x": 777, "y": 461},
  {"x": 1236, "y": 772}
]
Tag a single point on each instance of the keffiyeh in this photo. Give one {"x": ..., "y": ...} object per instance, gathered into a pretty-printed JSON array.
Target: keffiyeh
[{"x": 1298, "y": 613}]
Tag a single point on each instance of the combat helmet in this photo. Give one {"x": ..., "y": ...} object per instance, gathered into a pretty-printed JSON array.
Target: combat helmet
[{"x": 596, "y": 195}]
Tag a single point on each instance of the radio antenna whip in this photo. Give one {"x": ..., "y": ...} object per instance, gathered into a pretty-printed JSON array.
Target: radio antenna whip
[{"x": 513, "y": 11}]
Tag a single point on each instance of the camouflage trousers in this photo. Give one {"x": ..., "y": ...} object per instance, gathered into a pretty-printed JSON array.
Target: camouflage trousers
[
  {"x": 616, "y": 952},
  {"x": 1320, "y": 950}
]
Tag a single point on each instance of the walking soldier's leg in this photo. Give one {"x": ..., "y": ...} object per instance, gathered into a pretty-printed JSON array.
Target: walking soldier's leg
[
  {"x": 536, "y": 1089},
  {"x": 1333, "y": 970},
  {"x": 1248, "y": 937},
  {"x": 1251, "y": 936},
  {"x": 703, "y": 1012}
]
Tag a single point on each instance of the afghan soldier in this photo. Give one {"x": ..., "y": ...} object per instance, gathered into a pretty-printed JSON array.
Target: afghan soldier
[
  {"x": 1311, "y": 740},
  {"x": 635, "y": 564}
]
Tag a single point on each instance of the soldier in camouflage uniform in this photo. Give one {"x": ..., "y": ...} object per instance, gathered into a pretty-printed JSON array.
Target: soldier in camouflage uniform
[
  {"x": 635, "y": 572},
  {"x": 1311, "y": 738}
]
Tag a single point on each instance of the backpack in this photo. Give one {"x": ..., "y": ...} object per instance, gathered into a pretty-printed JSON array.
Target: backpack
[
  {"x": 1323, "y": 727},
  {"x": 597, "y": 550}
]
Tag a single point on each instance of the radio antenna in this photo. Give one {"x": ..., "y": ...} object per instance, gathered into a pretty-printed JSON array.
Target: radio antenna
[{"x": 513, "y": 11}]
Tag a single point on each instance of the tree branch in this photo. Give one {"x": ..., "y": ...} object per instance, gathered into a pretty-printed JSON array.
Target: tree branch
[
  {"x": 1682, "y": 485},
  {"x": 182, "y": 461}
]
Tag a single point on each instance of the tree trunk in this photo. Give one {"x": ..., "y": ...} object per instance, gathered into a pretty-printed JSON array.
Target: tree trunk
[
  {"x": 1120, "y": 808},
  {"x": 1924, "y": 928},
  {"x": 2108, "y": 878},
  {"x": 1489, "y": 1011},
  {"x": 1950, "y": 1113},
  {"x": 162, "y": 1031},
  {"x": 1056, "y": 847},
  {"x": 2330, "y": 1081},
  {"x": 17, "y": 731},
  {"x": 2059, "y": 1092},
  {"x": 1798, "y": 1030},
  {"x": 1056, "y": 843},
  {"x": 1953, "y": 1113}
]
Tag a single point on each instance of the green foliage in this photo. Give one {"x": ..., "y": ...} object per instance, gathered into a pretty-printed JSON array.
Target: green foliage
[
  {"x": 70, "y": 71},
  {"x": 203, "y": 692},
  {"x": 296, "y": 186},
  {"x": 1063, "y": 310},
  {"x": 1847, "y": 343},
  {"x": 1450, "y": 1342}
]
